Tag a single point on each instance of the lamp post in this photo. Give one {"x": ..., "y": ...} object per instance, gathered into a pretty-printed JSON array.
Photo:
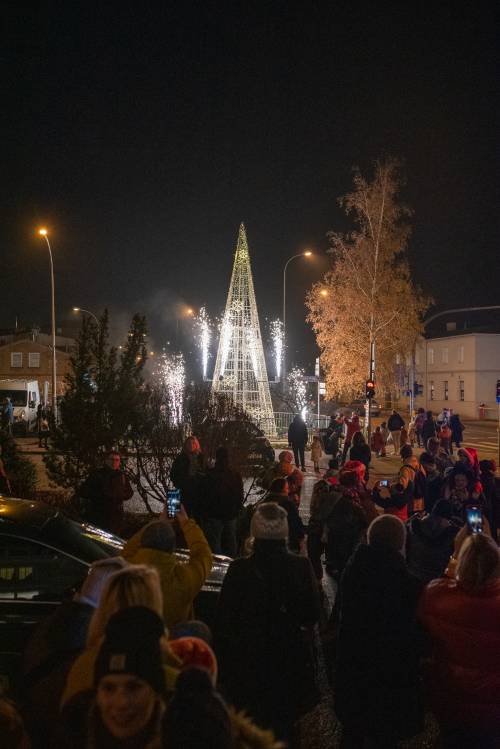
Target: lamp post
[
  {"x": 43, "y": 233},
  {"x": 187, "y": 312},
  {"x": 87, "y": 312},
  {"x": 307, "y": 253}
]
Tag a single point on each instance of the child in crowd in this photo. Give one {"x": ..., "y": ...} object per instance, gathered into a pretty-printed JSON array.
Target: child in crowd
[
  {"x": 378, "y": 443},
  {"x": 444, "y": 435},
  {"x": 316, "y": 452}
]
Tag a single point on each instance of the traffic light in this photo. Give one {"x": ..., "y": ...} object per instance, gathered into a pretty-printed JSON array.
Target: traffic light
[{"x": 370, "y": 389}]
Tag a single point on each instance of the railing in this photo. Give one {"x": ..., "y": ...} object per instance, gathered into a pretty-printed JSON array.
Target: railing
[{"x": 284, "y": 419}]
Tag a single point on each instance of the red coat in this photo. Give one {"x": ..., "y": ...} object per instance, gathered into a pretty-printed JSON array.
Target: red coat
[
  {"x": 464, "y": 677},
  {"x": 353, "y": 426}
]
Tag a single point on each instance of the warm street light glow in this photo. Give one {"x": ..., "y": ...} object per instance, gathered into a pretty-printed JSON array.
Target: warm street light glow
[
  {"x": 323, "y": 292},
  {"x": 189, "y": 311},
  {"x": 76, "y": 309},
  {"x": 307, "y": 253},
  {"x": 42, "y": 232}
]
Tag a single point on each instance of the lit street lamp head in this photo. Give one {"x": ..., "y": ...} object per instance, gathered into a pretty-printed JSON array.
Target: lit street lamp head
[
  {"x": 43, "y": 232},
  {"x": 76, "y": 309},
  {"x": 307, "y": 253}
]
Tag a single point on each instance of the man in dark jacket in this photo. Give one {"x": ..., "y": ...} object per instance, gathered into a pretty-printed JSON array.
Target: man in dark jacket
[
  {"x": 429, "y": 543},
  {"x": 377, "y": 680},
  {"x": 297, "y": 439},
  {"x": 267, "y": 606},
  {"x": 394, "y": 424},
  {"x": 220, "y": 504},
  {"x": 105, "y": 491}
]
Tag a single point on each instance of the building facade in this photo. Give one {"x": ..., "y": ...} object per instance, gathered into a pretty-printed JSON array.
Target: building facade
[
  {"x": 459, "y": 372},
  {"x": 29, "y": 359}
]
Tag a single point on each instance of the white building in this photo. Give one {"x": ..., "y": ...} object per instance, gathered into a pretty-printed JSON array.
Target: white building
[{"x": 459, "y": 372}]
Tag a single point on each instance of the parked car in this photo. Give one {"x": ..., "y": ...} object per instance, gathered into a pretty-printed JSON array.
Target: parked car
[{"x": 44, "y": 556}]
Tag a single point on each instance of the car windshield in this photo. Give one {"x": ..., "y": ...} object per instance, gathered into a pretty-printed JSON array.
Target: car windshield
[{"x": 17, "y": 397}]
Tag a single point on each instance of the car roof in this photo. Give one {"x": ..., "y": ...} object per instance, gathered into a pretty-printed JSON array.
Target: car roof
[{"x": 40, "y": 522}]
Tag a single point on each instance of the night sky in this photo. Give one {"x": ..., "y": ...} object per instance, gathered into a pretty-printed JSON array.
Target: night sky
[{"x": 142, "y": 138}]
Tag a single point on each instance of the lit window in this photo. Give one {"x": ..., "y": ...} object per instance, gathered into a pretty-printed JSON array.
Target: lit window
[
  {"x": 460, "y": 354},
  {"x": 431, "y": 356},
  {"x": 33, "y": 359},
  {"x": 16, "y": 359},
  {"x": 461, "y": 389},
  {"x": 444, "y": 356},
  {"x": 445, "y": 389},
  {"x": 398, "y": 359},
  {"x": 431, "y": 389}
]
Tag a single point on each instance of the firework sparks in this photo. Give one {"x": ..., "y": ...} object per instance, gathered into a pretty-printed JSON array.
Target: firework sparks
[
  {"x": 278, "y": 339},
  {"x": 172, "y": 371},
  {"x": 225, "y": 334},
  {"x": 204, "y": 336},
  {"x": 298, "y": 390}
]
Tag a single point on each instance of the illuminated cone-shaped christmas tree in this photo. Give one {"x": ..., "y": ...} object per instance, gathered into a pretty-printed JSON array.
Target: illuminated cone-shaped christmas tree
[{"x": 240, "y": 368}]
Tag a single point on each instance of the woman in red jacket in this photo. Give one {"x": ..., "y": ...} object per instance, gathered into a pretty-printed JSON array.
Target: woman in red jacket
[{"x": 462, "y": 616}]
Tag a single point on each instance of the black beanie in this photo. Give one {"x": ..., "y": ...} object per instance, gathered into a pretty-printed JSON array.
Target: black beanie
[{"x": 132, "y": 646}]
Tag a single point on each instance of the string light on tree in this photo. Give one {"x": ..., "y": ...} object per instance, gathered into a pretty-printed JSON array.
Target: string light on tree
[{"x": 278, "y": 339}]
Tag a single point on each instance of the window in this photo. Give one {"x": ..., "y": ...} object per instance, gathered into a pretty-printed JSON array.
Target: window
[
  {"x": 444, "y": 356},
  {"x": 398, "y": 359},
  {"x": 461, "y": 390},
  {"x": 16, "y": 359},
  {"x": 460, "y": 354},
  {"x": 431, "y": 390},
  {"x": 33, "y": 572},
  {"x": 445, "y": 389},
  {"x": 33, "y": 359},
  {"x": 430, "y": 355}
]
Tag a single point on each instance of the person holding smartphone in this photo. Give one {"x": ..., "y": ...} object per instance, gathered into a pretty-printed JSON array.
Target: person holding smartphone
[
  {"x": 181, "y": 582},
  {"x": 461, "y": 613}
]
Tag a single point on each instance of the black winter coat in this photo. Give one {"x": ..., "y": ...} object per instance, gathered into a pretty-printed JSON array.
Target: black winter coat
[
  {"x": 297, "y": 433},
  {"x": 267, "y": 603},
  {"x": 105, "y": 491},
  {"x": 428, "y": 430},
  {"x": 395, "y": 423},
  {"x": 221, "y": 495},
  {"x": 429, "y": 545},
  {"x": 377, "y": 679}
]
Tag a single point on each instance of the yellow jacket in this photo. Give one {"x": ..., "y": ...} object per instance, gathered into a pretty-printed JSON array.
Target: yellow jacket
[{"x": 180, "y": 581}]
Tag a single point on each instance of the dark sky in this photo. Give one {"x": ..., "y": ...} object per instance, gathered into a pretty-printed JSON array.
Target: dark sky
[{"x": 143, "y": 137}]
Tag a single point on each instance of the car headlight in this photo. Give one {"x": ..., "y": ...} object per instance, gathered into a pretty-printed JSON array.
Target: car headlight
[{"x": 21, "y": 416}]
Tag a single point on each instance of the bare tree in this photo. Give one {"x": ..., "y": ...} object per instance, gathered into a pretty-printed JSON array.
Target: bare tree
[{"x": 368, "y": 295}]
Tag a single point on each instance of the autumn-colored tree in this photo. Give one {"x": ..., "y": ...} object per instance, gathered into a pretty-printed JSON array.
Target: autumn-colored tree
[{"x": 368, "y": 295}]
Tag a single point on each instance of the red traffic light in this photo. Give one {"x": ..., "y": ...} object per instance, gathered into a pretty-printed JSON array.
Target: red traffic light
[{"x": 370, "y": 389}]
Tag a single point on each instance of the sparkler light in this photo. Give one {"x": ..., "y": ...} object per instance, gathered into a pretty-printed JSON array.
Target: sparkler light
[
  {"x": 298, "y": 390},
  {"x": 172, "y": 370},
  {"x": 278, "y": 339},
  {"x": 204, "y": 336}
]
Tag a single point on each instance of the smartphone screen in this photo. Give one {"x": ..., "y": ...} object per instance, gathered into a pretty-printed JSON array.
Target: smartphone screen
[
  {"x": 384, "y": 482},
  {"x": 173, "y": 502},
  {"x": 475, "y": 519}
]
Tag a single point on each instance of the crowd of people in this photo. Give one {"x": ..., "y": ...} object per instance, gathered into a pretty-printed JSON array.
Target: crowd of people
[{"x": 125, "y": 664}]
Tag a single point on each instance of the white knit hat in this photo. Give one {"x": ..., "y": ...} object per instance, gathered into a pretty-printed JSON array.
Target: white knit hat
[{"x": 269, "y": 521}]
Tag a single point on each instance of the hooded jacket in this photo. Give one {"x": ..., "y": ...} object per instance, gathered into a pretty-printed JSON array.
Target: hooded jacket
[
  {"x": 180, "y": 581},
  {"x": 464, "y": 677},
  {"x": 429, "y": 544}
]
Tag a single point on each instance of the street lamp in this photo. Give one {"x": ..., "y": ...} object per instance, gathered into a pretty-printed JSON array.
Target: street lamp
[
  {"x": 87, "y": 312},
  {"x": 306, "y": 253},
  {"x": 43, "y": 233},
  {"x": 185, "y": 312}
]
